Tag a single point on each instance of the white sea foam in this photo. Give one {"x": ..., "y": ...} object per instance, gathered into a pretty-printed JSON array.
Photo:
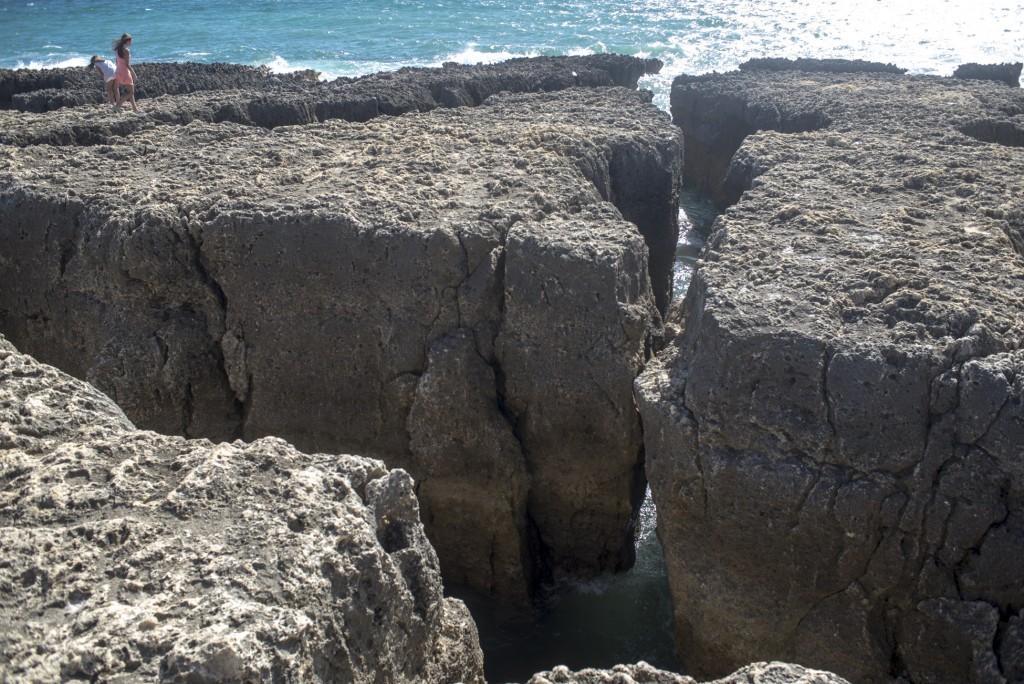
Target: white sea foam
[
  {"x": 330, "y": 70},
  {"x": 280, "y": 65},
  {"x": 333, "y": 69},
  {"x": 472, "y": 55},
  {"x": 54, "y": 63}
]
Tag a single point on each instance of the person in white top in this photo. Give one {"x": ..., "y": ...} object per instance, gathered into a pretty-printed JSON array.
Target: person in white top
[{"x": 107, "y": 71}]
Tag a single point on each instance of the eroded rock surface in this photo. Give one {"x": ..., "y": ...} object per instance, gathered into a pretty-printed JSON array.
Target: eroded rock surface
[
  {"x": 834, "y": 441},
  {"x": 280, "y": 99},
  {"x": 1004, "y": 73},
  {"x": 457, "y": 292},
  {"x": 716, "y": 117},
  {"x": 132, "y": 555},
  {"x": 642, "y": 673}
]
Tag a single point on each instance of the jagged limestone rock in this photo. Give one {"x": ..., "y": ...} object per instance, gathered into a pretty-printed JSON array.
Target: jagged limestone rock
[
  {"x": 834, "y": 441},
  {"x": 642, "y": 673},
  {"x": 323, "y": 283},
  {"x": 277, "y": 99},
  {"x": 132, "y": 554}
]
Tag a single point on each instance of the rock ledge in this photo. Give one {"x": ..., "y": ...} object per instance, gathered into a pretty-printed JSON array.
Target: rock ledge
[{"x": 129, "y": 554}]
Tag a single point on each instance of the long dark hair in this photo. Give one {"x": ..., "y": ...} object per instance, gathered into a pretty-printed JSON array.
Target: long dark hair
[{"x": 118, "y": 44}]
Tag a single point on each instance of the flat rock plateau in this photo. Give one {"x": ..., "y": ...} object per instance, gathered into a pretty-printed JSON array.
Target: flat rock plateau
[{"x": 463, "y": 275}]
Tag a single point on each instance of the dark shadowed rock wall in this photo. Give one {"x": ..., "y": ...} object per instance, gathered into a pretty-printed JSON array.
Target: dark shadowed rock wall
[
  {"x": 1004, "y": 73},
  {"x": 834, "y": 440}
]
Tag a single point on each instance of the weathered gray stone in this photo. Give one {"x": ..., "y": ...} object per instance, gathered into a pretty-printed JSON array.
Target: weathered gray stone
[
  {"x": 834, "y": 440},
  {"x": 131, "y": 555},
  {"x": 456, "y": 427},
  {"x": 268, "y": 99},
  {"x": 835, "y": 66},
  {"x": 642, "y": 673},
  {"x": 1004, "y": 73},
  {"x": 716, "y": 117},
  {"x": 322, "y": 283},
  {"x": 39, "y": 90}
]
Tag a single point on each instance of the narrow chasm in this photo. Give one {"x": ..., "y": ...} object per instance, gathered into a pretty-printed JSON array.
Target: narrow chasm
[
  {"x": 615, "y": 618},
  {"x": 611, "y": 619}
]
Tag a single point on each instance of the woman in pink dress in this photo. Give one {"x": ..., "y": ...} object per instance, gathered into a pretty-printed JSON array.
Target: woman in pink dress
[{"x": 125, "y": 74}]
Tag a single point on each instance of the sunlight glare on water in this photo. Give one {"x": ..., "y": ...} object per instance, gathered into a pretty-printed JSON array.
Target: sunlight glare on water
[{"x": 364, "y": 36}]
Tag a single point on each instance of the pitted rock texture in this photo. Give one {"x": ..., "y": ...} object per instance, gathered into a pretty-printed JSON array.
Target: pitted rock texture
[
  {"x": 642, "y": 673},
  {"x": 717, "y": 112},
  {"x": 219, "y": 93},
  {"x": 835, "y": 441},
  {"x": 1004, "y": 73},
  {"x": 130, "y": 555},
  {"x": 455, "y": 292},
  {"x": 293, "y": 98},
  {"x": 40, "y": 90},
  {"x": 835, "y": 66}
]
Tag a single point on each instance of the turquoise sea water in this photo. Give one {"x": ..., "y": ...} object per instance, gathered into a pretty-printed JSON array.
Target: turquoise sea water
[{"x": 356, "y": 37}]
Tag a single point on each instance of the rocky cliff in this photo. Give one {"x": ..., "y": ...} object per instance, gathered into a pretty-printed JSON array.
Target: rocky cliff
[
  {"x": 834, "y": 440},
  {"x": 220, "y": 93},
  {"x": 463, "y": 293},
  {"x": 130, "y": 555}
]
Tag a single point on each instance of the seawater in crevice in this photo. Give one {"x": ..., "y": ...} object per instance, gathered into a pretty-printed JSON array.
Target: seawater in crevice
[
  {"x": 696, "y": 214},
  {"x": 601, "y": 622},
  {"x": 612, "y": 619}
]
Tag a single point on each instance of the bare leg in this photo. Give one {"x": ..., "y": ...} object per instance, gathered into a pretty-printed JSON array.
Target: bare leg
[
  {"x": 111, "y": 86},
  {"x": 129, "y": 93},
  {"x": 131, "y": 96}
]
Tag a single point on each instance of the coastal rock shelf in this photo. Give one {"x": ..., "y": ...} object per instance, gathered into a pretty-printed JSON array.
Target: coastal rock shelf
[
  {"x": 129, "y": 554},
  {"x": 835, "y": 440},
  {"x": 256, "y": 96},
  {"x": 717, "y": 116},
  {"x": 463, "y": 293}
]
